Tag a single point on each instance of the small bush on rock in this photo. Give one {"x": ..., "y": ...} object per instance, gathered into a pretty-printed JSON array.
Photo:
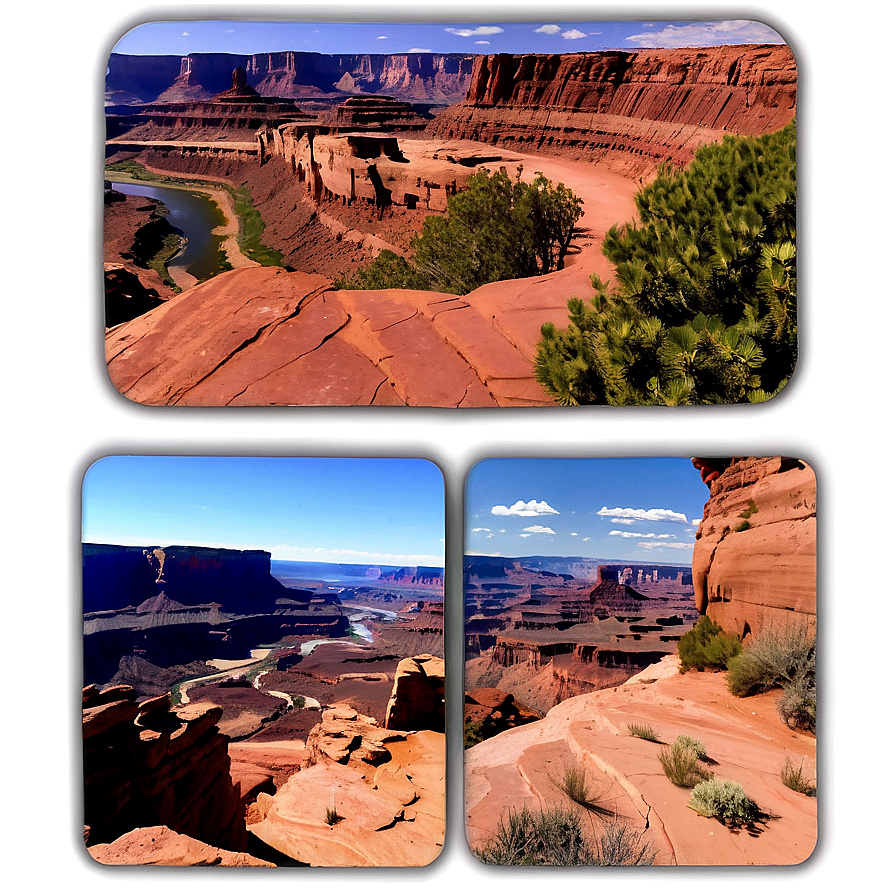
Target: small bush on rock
[
  {"x": 725, "y": 800},
  {"x": 681, "y": 763},
  {"x": 707, "y": 646},
  {"x": 645, "y": 732},
  {"x": 793, "y": 777}
]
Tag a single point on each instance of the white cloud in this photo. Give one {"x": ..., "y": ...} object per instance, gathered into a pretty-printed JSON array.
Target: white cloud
[
  {"x": 656, "y": 515},
  {"x": 486, "y": 42},
  {"x": 702, "y": 34},
  {"x": 547, "y": 29},
  {"x": 540, "y": 530},
  {"x": 587, "y": 538},
  {"x": 696, "y": 522},
  {"x": 348, "y": 555},
  {"x": 639, "y": 534},
  {"x": 481, "y": 529},
  {"x": 382, "y": 37},
  {"x": 573, "y": 534},
  {"x": 525, "y": 535},
  {"x": 677, "y": 545},
  {"x": 574, "y": 34},
  {"x": 418, "y": 50},
  {"x": 524, "y": 508},
  {"x": 185, "y": 34},
  {"x": 475, "y": 32}
]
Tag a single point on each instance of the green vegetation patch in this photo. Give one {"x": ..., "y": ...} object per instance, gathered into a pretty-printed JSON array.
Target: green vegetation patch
[
  {"x": 707, "y": 646},
  {"x": 172, "y": 244},
  {"x": 704, "y": 310},
  {"x": 498, "y": 228}
]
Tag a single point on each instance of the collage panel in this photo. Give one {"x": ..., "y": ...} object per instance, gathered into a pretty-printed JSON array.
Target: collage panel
[
  {"x": 263, "y": 661},
  {"x": 640, "y": 661},
  {"x": 443, "y": 215}
]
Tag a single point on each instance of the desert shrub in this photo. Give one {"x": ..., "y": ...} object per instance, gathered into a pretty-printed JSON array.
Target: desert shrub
[
  {"x": 681, "y": 763},
  {"x": 474, "y": 733},
  {"x": 538, "y": 837},
  {"x": 742, "y": 526},
  {"x": 497, "y": 228},
  {"x": 645, "y": 732},
  {"x": 573, "y": 781},
  {"x": 782, "y": 657},
  {"x": 797, "y": 706},
  {"x": 707, "y": 646},
  {"x": 332, "y": 816},
  {"x": 703, "y": 309},
  {"x": 695, "y": 745},
  {"x": 621, "y": 844},
  {"x": 793, "y": 777},
  {"x": 725, "y": 800},
  {"x": 554, "y": 836}
]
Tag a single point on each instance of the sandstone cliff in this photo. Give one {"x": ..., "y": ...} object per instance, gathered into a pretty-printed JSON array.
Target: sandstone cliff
[
  {"x": 631, "y": 110},
  {"x": 755, "y": 556},
  {"x": 150, "y": 764}
]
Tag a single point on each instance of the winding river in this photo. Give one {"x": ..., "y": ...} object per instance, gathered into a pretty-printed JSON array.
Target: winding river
[{"x": 196, "y": 216}]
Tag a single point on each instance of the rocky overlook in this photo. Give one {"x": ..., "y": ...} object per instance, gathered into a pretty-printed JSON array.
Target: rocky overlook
[{"x": 632, "y": 110}]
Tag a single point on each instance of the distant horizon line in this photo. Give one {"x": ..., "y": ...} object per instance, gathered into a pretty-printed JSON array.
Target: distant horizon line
[
  {"x": 575, "y": 557},
  {"x": 630, "y": 49}
]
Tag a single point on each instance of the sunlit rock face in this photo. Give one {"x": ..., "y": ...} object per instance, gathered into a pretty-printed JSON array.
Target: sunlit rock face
[{"x": 755, "y": 556}]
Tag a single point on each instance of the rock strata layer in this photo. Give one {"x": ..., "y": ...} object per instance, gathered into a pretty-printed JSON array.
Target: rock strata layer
[{"x": 632, "y": 110}]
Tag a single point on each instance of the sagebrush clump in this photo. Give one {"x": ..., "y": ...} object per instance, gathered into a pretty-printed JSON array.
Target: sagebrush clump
[
  {"x": 782, "y": 657},
  {"x": 707, "y": 646},
  {"x": 725, "y": 800}
]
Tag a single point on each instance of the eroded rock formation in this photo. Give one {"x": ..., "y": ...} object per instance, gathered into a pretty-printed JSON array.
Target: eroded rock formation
[
  {"x": 418, "y": 695},
  {"x": 632, "y": 110},
  {"x": 364, "y": 797},
  {"x": 755, "y": 556},
  {"x": 146, "y": 764}
]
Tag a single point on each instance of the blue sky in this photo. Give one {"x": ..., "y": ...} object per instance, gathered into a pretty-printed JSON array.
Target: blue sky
[
  {"x": 388, "y": 511},
  {"x": 183, "y": 37},
  {"x": 618, "y": 508}
]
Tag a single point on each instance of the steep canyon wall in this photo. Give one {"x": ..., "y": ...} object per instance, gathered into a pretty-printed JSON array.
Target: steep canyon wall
[
  {"x": 755, "y": 556},
  {"x": 631, "y": 110}
]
